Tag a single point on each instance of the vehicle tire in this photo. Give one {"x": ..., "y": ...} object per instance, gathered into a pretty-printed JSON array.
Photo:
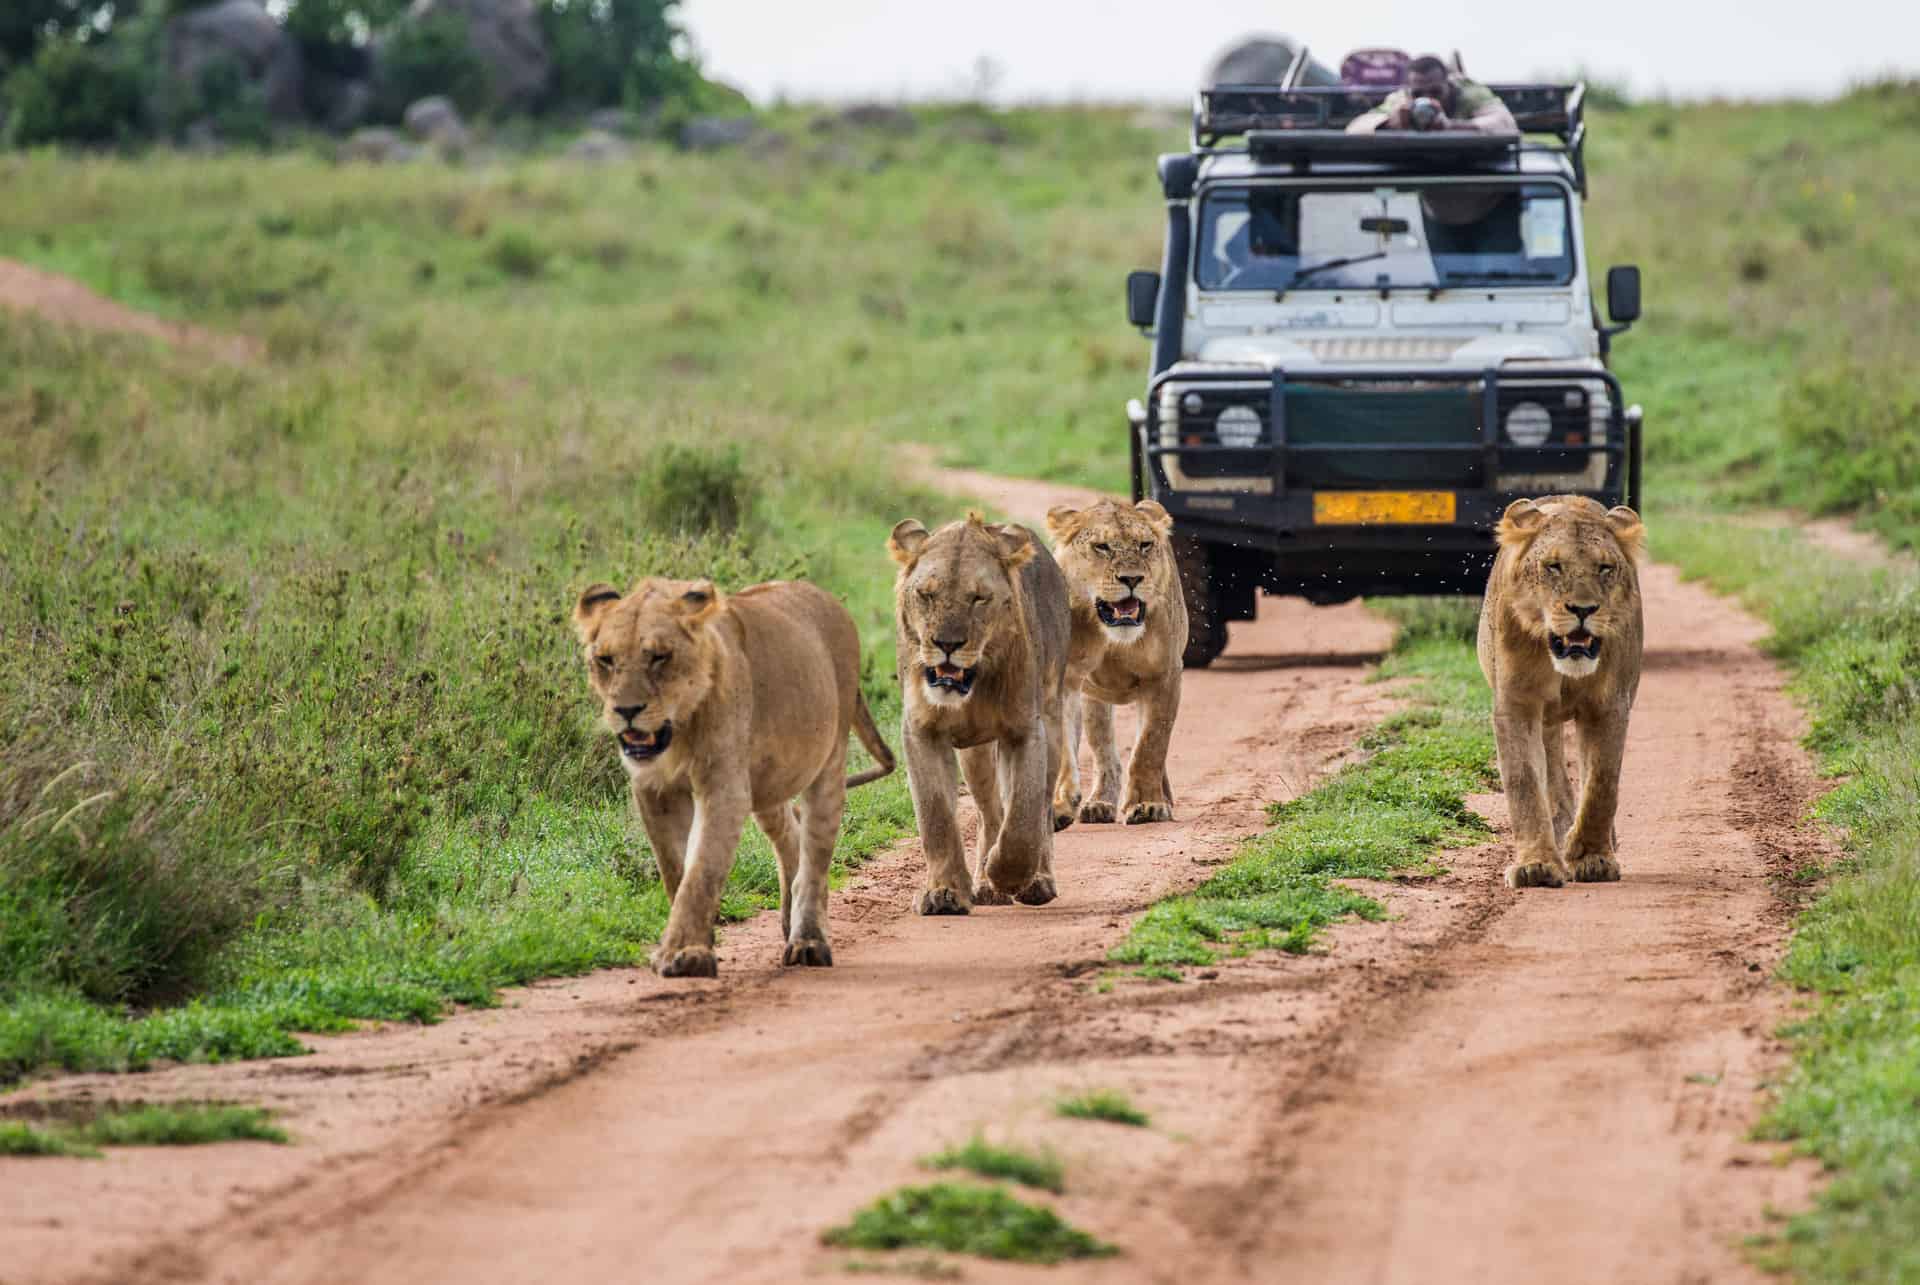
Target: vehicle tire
[{"x": 1206, "y": 623}]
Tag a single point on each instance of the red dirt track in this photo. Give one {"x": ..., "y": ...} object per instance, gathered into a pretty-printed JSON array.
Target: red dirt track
[{"x": 1491, "y": 1086}]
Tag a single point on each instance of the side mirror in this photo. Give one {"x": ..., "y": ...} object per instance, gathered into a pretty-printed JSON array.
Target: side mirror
[
  {"x": 1623, "y": 294},
  {"x": 1143, "y": 298}
]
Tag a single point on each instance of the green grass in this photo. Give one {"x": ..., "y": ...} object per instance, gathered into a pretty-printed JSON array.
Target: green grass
[
  {"x": 176, "y": 1125},
  {"x": 1109, "y": 1105},
  {"x": 982, "y": 1157},
  {"x": 1852, "y": 638},
  {"x": 966, "y": 1220},
  {"x": 1383, "y": 817}
]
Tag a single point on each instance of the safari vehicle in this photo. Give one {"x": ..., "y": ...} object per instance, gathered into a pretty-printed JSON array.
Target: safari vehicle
[{"x": 1366, "y": 345}]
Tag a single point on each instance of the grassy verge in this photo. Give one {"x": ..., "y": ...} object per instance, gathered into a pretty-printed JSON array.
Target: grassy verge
[
  {"x": 184, "y": 1125},
  {"x": 1109, "y": 1105},
  {"x": 966, "y": 1220},
  {"x": 1382, "y": 817},
  {"x": 983, "y": 1158},
  {"x": 1852, "y": 639}
]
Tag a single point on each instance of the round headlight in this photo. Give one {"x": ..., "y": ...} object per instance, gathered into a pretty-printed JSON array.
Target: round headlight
[
  {"x": 1529, "y": 424},
  {"x": 1191, "y": 404},
  {"x": 1238, "y": 426}
]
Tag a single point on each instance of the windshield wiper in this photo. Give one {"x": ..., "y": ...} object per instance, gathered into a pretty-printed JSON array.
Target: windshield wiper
[
  {"x": 1314, "y": 269},
  {"x": 1498, "y": 274}
]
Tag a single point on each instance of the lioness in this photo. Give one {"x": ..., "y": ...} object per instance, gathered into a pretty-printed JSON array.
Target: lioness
[
  {"x": 725, "y": 705},
  {"x": 1129, "y": 630},
  {"x": 1560, "y": 640},
  {"x": 981, "y": 616}
]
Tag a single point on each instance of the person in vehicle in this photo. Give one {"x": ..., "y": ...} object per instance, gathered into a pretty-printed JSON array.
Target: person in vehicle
[{"x": 1465, "y": 105}]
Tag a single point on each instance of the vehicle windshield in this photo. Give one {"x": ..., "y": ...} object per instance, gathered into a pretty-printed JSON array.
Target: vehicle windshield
[{"x": 1415, "y": 235}]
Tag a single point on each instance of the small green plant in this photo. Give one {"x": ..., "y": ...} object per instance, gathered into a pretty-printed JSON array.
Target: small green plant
[
  {"x": 517, "y": 253},
  {"x": 1109, "y": 1105},
  {"x": 982, "y": 1157},
  {"x": 167, "y": 1125},
  {"x": 73, "y": 93},
  {"x": 966, "y": 1220},
  {"x": 693, "y": 490}
]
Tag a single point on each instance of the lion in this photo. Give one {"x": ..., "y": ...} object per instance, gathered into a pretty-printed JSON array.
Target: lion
[
  {"x": 1560, "y": 641},
  {"x": 982, "y": 622},
  {"x": 1129, "y": 631},
  {"x": 724, "y": 705}
]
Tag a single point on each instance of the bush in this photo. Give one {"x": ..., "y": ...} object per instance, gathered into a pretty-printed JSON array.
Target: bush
[
  {"x": 226, "y": 98},
  {"x": 433, "y": 55},
  {"x": 74, "y": 93},
  {"x": 1856, "y": 433},
  {"x": 593, "y": 45},
  {"x": 694, "y": 491}
]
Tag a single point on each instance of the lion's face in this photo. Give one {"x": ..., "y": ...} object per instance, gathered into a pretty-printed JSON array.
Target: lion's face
[
  {"x": 649, "y": 659},
  {"x": 1573, "y": 580},
  {"x": 955, "y": 596},
  {"x": 1120, "y": 557}
]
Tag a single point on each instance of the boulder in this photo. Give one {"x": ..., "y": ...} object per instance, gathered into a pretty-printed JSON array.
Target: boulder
[
  {"x": 1263, "y": 60},
  {"x": 436, "y": 120},
  {"x": 709, "y": 133},
  {"x": 342, "y": 104},
  {"x": 377, "y": 146},
  {"x": 505, "y": 35},
  {"x": 620, "y": 122},
  {"x": 243, "y": 33},
  {"x": 874, "y": 116},
  {"x": 598, "y": 145}
]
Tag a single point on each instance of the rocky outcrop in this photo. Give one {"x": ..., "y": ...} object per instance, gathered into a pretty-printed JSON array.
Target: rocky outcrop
[
  {"x": 1263, "y": 60},
  {"x": 505, "y": 36},
  {"x": 243, "y": 34}
]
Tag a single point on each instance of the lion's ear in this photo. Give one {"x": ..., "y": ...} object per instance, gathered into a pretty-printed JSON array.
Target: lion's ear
[
  {"x": 1060, "y": 521},
  {"x": 594, "y": 601},
  {"x": 908, "y": 537},
  {"x": 699, "y": 602},
  {"x": 1013, "y": 543},
  {"x": 1152, "y": 511},
  {"x": 1628, "y": 529},
  {"x": 1519, "y": 522}
]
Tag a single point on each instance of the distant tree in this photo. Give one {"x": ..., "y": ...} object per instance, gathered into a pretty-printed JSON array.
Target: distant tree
[
  {"x": 74, "y": 93},
  {"x": 25, "y": 24},
  {"x": 432, "y": 56},
  {"x": 607, "y": 52},
  {"x": 334, "y": 34}
]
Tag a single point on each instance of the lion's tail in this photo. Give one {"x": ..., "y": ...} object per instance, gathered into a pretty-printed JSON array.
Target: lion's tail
[{"x": 869, "y": 733}]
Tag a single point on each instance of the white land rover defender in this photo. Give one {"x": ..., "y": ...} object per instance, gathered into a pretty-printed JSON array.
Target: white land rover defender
[{"x": 1367, "y": 345}]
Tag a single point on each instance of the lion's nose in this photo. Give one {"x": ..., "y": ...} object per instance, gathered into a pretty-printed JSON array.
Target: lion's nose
[
  {"x": 1581, "y": 613},
  {"x": 628, "y": 711},
  {"x": 1131, "y": 582},
  {"x": 949, "y": 646}
]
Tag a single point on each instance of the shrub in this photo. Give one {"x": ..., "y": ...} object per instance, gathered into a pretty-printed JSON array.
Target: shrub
[
  {"x": 694, "y": 491},
  {"x": 1856, "y": 431},
  {"x": 593, "y": 46},
  {"x": 516, "y": 253},
  {"x": 74, "y": 93},
  {"x": 431, "y": 55}
]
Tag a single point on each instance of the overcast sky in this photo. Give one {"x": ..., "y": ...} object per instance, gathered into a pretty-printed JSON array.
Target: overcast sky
[{"x": 1155, "y": 50}]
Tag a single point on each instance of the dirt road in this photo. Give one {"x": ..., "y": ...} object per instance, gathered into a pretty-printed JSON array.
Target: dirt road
[{"x": 1491, "y": 1086}]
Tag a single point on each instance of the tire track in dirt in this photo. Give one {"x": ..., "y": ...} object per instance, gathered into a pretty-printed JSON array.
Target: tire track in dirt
[
  {"x": 61, "y": 299},
  {"x": 1396, "y": 1107}
]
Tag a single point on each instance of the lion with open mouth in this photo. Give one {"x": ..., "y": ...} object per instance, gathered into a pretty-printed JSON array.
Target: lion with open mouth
[
  {"x": 981, "y": 622},
  {"x": 1129, "y": 631},
  {"x": 1560, "y": 642}
]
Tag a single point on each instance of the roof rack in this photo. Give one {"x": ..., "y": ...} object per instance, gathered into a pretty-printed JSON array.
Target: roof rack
[{"x": 1306, "y": 120}]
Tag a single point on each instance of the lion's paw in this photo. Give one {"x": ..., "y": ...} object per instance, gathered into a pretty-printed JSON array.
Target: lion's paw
[
  {"x": 689, "y": 961},
  {"x": 1037, "y": 893},
  {"x": 1096, "y": 813},
  {"x": 1147, "y": 813},
  {"x": 944, "y": 901},
  {"x": 985, "y": 894},
  {"x": 1534, "y": 874},
  {"x": 1595, "y": 867},
  {"x": 1062, "y": 817},
  {"x": 812, "y": 952}
]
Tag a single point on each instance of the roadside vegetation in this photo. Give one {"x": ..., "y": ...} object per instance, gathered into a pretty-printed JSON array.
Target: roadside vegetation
[{"x": 178, "y": 1125}]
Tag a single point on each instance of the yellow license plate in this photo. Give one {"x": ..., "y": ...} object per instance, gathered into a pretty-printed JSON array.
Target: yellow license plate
[{"x": 1365, "y": 508}]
